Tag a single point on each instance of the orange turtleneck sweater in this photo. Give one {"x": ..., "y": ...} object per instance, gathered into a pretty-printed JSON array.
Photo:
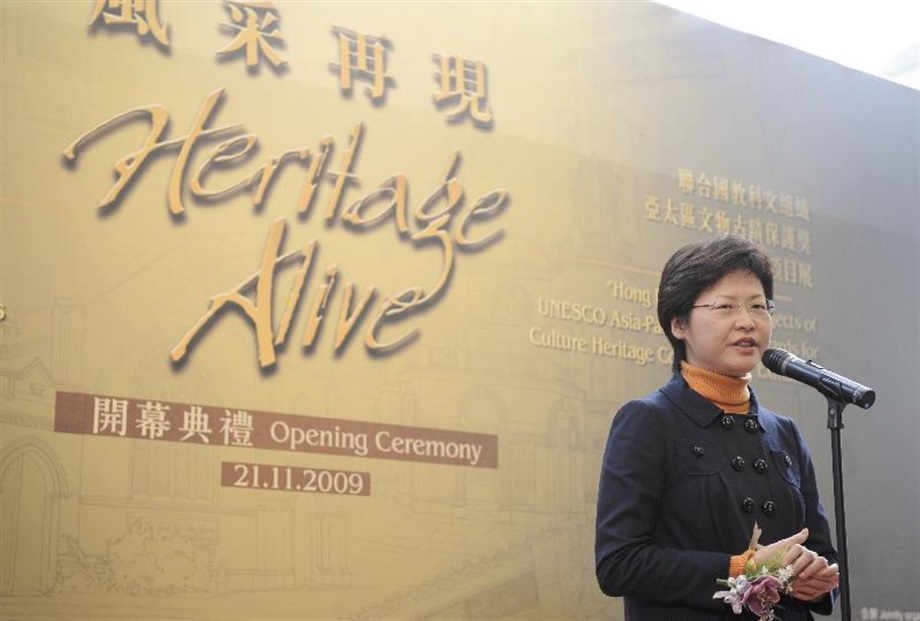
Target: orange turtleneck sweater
[{"x": 730, "y": 394}]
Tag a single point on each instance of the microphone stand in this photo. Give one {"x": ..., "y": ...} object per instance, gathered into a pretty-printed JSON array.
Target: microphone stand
[{"x": 835, "y": 424}]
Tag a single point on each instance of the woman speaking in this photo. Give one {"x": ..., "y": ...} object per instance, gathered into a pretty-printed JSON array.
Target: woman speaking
[{"x": 707, "y": 505}]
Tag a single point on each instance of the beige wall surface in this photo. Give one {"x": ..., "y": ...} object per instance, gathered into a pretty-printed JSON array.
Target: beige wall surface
[{"x": 318, "y": 310}]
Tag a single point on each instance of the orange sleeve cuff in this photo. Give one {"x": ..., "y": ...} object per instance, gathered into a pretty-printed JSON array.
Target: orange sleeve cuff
[{"x": 736, "y": 563}]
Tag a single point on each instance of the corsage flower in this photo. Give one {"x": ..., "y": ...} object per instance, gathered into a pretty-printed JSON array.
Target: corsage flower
[{"x": 759, "y": 587}]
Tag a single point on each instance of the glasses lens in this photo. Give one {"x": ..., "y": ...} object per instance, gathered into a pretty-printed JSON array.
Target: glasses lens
[{"x": 761, "y": 309}]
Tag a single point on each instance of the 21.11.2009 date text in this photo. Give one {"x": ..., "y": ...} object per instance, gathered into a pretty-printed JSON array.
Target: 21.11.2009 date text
[{"x": 293, "y": 479}]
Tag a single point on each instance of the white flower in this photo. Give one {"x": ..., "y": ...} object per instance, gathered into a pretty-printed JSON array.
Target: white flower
[
  {"x": 784, "y": 574},
  {"x": 737, "y": 588}
]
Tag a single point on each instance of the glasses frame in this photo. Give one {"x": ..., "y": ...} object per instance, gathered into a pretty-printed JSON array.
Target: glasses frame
[{"x": 737, "y": 306}]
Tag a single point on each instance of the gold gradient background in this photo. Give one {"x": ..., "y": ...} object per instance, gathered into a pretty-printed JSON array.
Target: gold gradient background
[{"x": 596, "y": 105}]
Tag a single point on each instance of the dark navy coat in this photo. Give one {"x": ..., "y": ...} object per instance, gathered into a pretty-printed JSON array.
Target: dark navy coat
[{"x": 681, "y": 487}]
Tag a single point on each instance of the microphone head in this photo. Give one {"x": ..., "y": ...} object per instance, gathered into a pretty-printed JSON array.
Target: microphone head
[{"x": 774, "y": 359}]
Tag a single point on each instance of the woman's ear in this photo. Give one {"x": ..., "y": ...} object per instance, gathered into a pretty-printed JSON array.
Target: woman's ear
[{"x": 678, "y": 327}]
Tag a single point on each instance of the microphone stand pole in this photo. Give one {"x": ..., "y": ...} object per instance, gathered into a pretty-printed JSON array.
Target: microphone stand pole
[{"x": 835, "y": 424}]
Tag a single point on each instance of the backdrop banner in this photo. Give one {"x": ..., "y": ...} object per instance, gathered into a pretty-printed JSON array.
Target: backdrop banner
[{"x": 322, "y": 310}]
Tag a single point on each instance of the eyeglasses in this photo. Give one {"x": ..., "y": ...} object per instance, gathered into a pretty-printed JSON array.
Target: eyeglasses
[{"x": 757, "y": 310}]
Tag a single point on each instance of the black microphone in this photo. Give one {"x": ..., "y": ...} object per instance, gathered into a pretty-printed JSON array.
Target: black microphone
[{"x": 829, "y": 384}]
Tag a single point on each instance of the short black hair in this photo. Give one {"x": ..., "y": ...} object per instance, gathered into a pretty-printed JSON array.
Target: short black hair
[{"x": 698, "y": 266}]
